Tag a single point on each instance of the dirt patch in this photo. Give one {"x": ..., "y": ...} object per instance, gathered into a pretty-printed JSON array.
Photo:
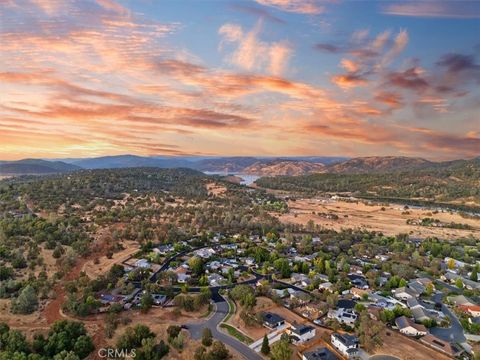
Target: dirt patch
[
  {"x": 216, "y": 189},
  {"x": 96, "y": 268},
  {"x": 389, "y": 219},
  {"x": 407, "y": 349}
]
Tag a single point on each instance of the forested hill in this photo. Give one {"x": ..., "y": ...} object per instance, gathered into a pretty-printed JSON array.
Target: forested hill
[
  {"x": 82, "y": 187},
  {"x": 456, "y": 182},
  {"x": 35, "y": 166}
]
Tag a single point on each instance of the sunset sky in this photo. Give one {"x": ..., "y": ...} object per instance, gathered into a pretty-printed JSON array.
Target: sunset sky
[{"x": 265, "y": 77}]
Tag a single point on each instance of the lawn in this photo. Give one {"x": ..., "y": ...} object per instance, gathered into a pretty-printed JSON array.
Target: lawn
[{"x": 237, "y": 334}]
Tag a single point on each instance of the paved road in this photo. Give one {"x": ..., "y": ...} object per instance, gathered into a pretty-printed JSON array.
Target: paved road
[
  {"x": 450, "y": 287},
  {"x": 455, "y": 332},
  {"x": 221, "y": 310}
]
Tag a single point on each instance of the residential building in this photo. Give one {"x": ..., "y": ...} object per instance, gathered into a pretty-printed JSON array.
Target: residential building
[
  {"x": 343, "y": 316},
  {"x": 345, "y": 344},
  {"x": 302, "y": 333},
  {"x": 325, "y": 286},
  {"x": 473, "y": 310},
  {"x": 408, "y": 327},
  {"x": 272, "y": 320},
  {"x": 405, "y": 293},
  {"x": 142, "y": 263}
]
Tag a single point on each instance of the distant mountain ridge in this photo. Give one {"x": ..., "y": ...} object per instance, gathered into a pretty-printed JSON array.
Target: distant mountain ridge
[
  {"x": 283, "y": 167},
  {"x": 128, "y": 161},
  {"x": 261, "y": 166},
  {"x": 34, "y": 167},
  {"x": 379, "y": 164}
]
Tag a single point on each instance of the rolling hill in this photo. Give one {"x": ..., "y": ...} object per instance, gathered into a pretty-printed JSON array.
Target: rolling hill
[
  {"x": 283, "y": 167},
  {"x": 35, "y": 167},
  {"x": 371, "y": 164}
]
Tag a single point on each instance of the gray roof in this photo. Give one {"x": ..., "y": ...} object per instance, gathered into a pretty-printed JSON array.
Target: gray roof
[
  {"x": 346, "y": 339},
  {"x": 302, "y": 329},
  {"x": 272, "y": 318}
]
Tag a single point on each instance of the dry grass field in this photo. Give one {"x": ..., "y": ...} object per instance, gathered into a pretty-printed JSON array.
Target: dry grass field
[
  {"x": 407, "y": 349},
  {"x": 389, "y": 219},
  {"x": 96, "y": 268}
]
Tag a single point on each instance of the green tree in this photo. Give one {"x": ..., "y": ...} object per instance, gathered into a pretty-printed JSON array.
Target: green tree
[
  {"x": 196, "y": 265},
  {"x": 27, "y": 301},
  {"x": 146, "y": 301},
  {"x": 474, "y": 275},
  {"x": 265, "y": 345},
  {"x": 207, "y": 337},
  {"x": 281, "y": 350},
  {"x": 459, "y": 283}
]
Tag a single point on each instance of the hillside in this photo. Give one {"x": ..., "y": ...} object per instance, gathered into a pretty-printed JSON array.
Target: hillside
[
  {"x": 283, "y": 167},
  {"x": 35, "y": 167},
  {"x": 378, "y": 164},
  {"x": 129, "y": 161},
  {"x": 226, "y": 164},
  {"x": 456, "y": 182}
]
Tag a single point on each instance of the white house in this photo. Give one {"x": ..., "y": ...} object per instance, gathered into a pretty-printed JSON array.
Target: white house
[
  {"x": 408, "y": 327},
  {"x": 204, "y": 253},
  {"x": 142, "y": 263},
  {"x": 302, "y": 333},
  {"x": 345, "y": 344},
  {"x": 405, "y": 293}
]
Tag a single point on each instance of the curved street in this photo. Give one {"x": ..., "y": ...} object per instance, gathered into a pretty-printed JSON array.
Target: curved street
[{"x": 213, "y": 322}]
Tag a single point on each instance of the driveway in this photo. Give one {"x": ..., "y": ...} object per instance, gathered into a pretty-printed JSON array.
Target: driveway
[
  {"x": 455, "y": 332},
  {"x": 220, "y": 312}
]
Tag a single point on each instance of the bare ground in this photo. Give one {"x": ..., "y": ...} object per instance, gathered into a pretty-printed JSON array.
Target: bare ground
[{"x": 390, "y": 221}]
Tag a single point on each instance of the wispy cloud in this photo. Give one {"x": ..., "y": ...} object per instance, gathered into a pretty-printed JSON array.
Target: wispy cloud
[
  {"x": 311, "y": 7},
  {"x": 253, "y": 54},
  {"x": 434, "y": 9}
]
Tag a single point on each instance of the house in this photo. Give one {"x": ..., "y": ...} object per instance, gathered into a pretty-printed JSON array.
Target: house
[
  {"x": 325, "y": 286},
  {"x": 408, "y": 327},
  {"x": 204, "y": 253},
  {"x": 345, "y": 304},
  {"x": 182, "y": 278},
  {"x": 405, "y": 293},
  {"x": 272, "y": 321},
  {"x": 305, "y": 283},
  {"x": 441, "y": 345},
  {"x": 470, "y": 284},
  {"x": 417, "y": 286},
  {"x": 163, "y": 249},
  {"x": 413, "y": 303},
  {"x": 345, "y": 344},
  {"x": 456, "y": 263},
  {"x": 215, "y": 279},
  {"x": 382, "y": 257},
  {"x": 343, "y": 316},
  {"x": 215, "y": 265},
  {"x": 159, "y": 299},
  {"x": 358, "y": 281},
  {"x": 297, "y": 278},
  {"x": 460, "y": 300},
  {"x": 359, "y": 293},
  {"x": 281, "y": 293},
  {"x": 321, "y": 353},
  {"x": 420, "y": 314},
  {"x": 249, "y": 261},
  {"x": 142, "y": 263},
  {"x": 302, "y": 333},
  {"x": 300, "y": 297},
  {"x": 473, "y": 310}
]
